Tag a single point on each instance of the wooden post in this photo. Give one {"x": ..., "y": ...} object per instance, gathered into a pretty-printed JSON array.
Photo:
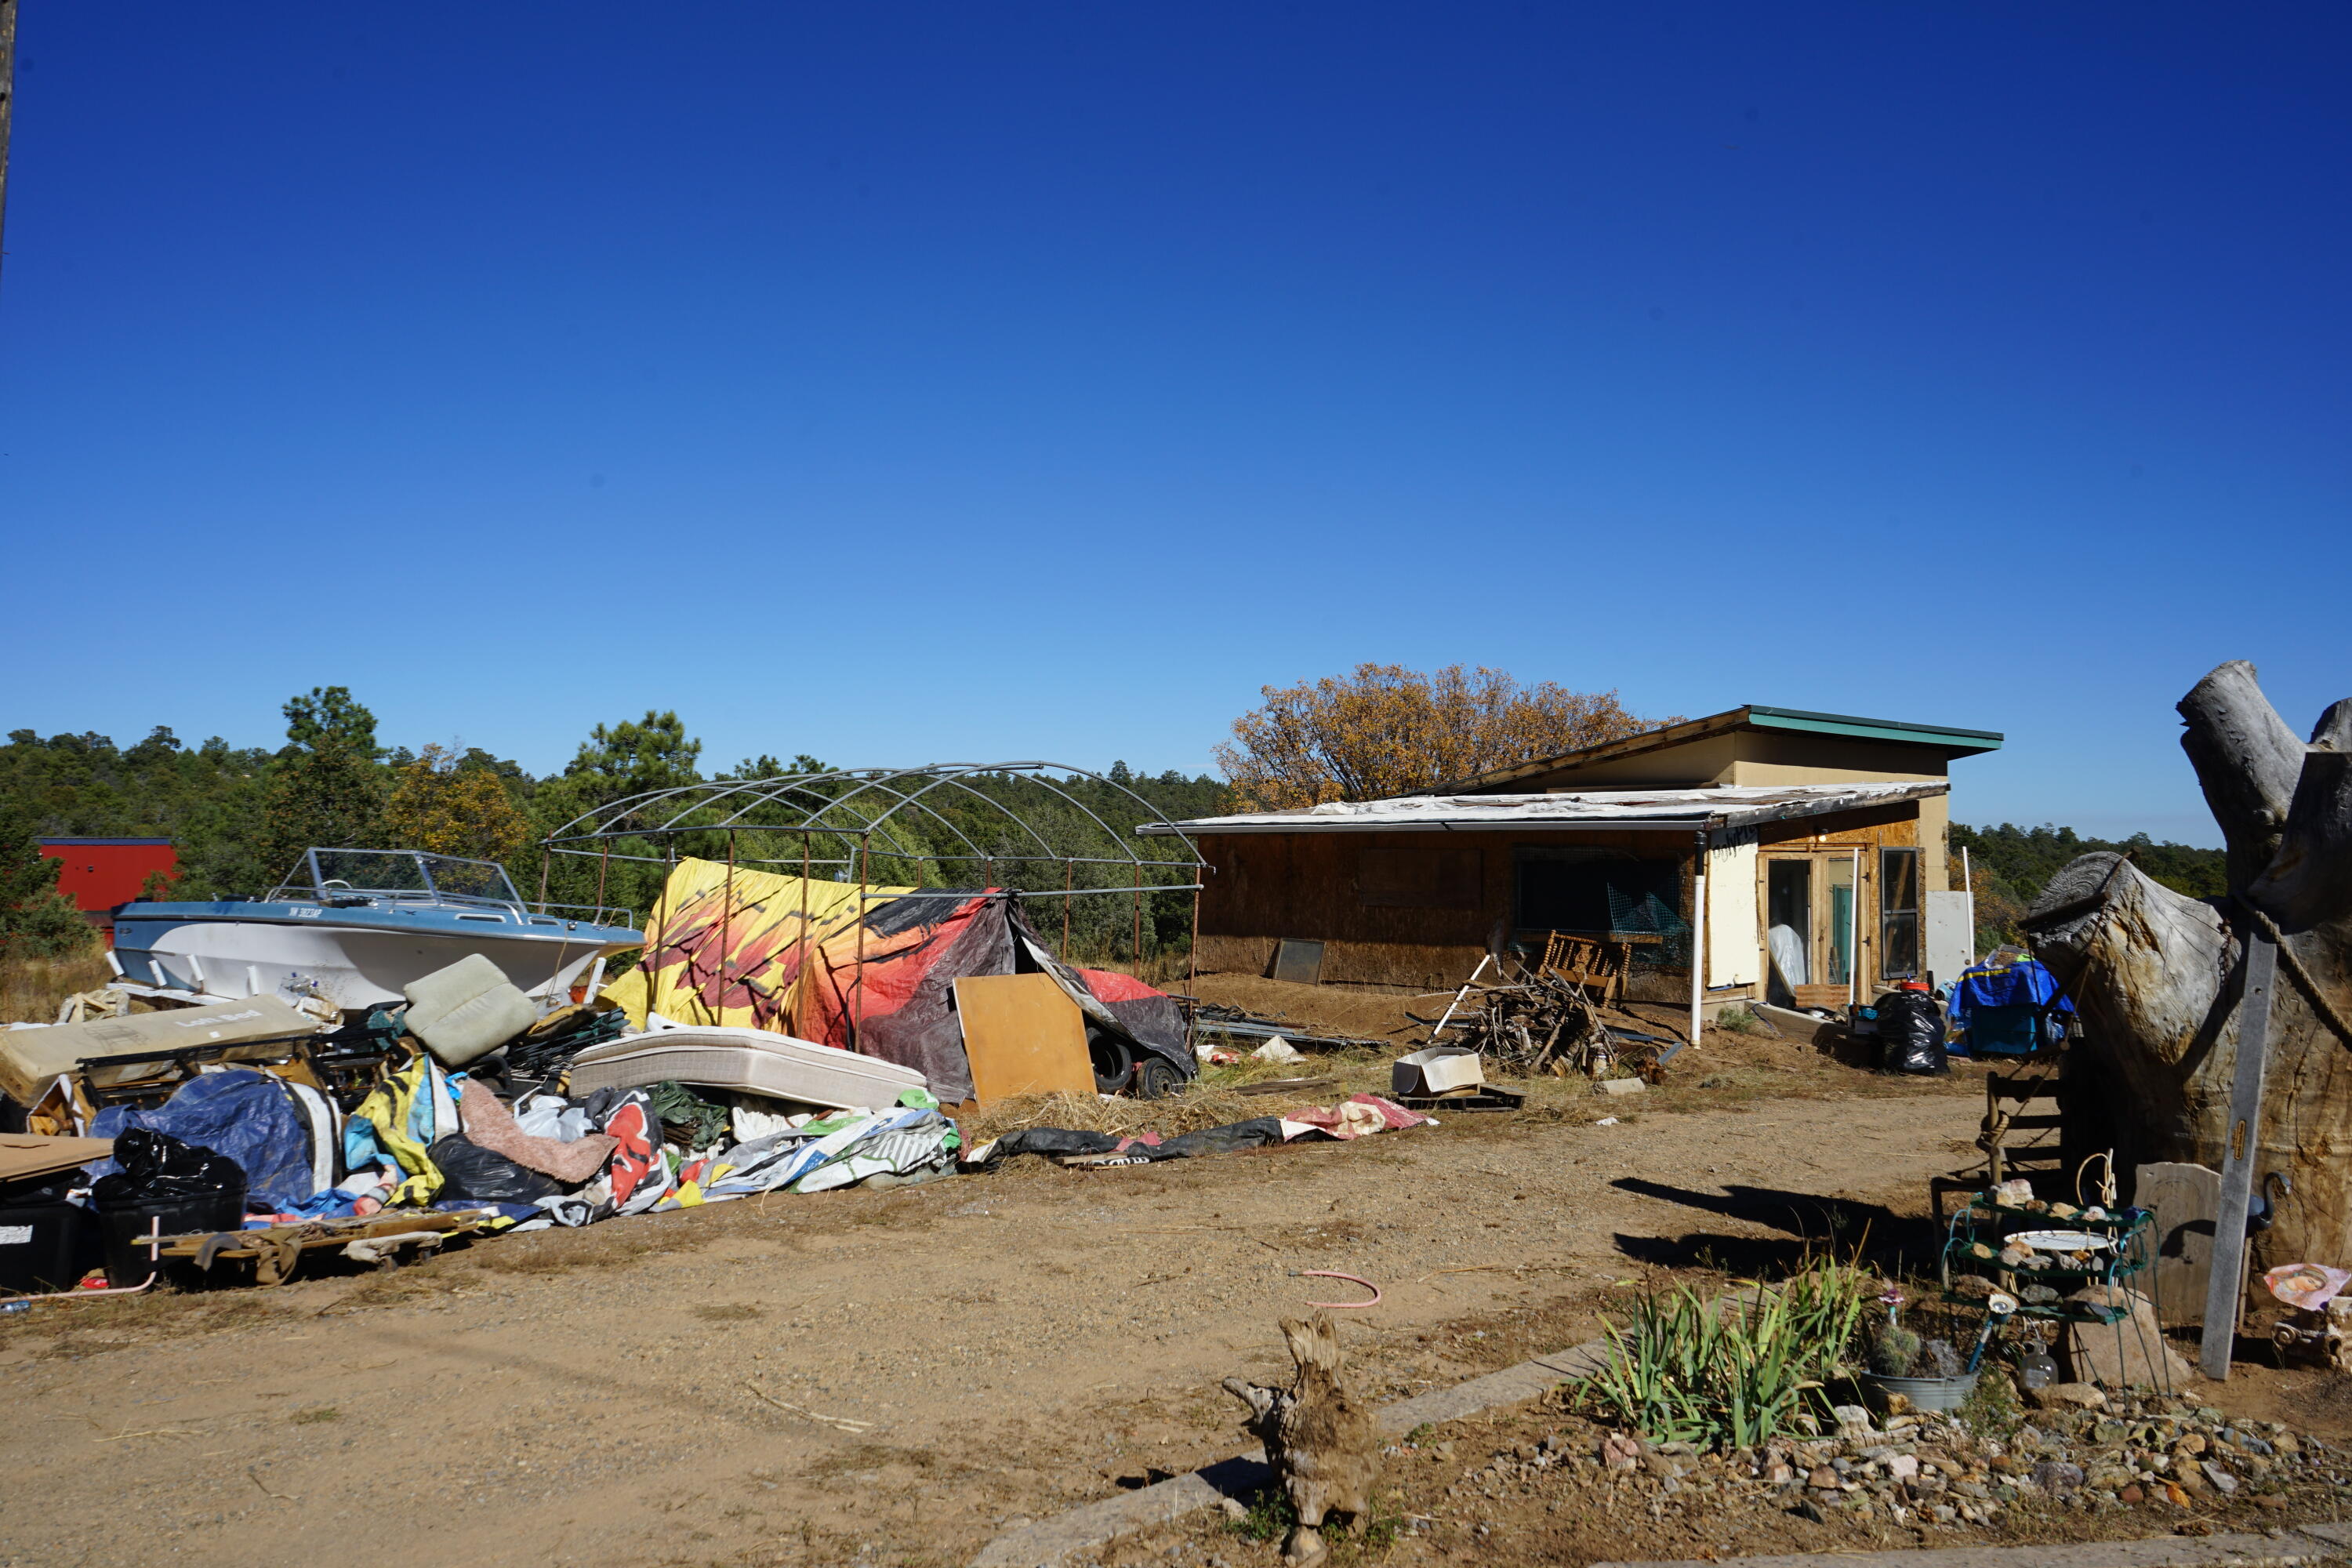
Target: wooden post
[
  {"x": 2240, "y": 1151},
  {"x": 1069, "y": 881},
  {"x": 726, "y": 930},
  {"x": 1698, "y": 938},
  {"x": 1138, "y": 920},
  {"x": 857, "y": 1007},
  {"x": 546, "y": 857}
]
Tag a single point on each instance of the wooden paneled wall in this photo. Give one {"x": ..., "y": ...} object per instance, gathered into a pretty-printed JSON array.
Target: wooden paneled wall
[{"x": 1262, "y": 887}]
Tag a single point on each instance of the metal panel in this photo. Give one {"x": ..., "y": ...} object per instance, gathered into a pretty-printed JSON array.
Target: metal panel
[{"x": 1300, "y": 962}]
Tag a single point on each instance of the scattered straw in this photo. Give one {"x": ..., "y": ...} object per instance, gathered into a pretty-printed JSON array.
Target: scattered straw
[{"x": 1189, "y": 1113}]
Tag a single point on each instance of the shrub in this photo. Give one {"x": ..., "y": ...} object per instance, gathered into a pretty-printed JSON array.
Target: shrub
[{"x": 1730, "y": 1372}]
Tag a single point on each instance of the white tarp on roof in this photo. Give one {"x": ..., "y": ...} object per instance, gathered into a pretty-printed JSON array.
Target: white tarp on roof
[{"x": 1721, "y": 807}]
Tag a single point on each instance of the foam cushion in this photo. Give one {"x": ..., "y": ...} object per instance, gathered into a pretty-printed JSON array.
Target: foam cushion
[{"x": 467, "y": 1011}]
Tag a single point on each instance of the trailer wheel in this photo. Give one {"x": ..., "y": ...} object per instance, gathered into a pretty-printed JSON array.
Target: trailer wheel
[{"x": 1156, "y": 1078}]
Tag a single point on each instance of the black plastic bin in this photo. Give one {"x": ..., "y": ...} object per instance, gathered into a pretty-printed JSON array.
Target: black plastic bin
[
  {"x": 125, "y": 1228},
  {"x": 46, "y": 1244}
]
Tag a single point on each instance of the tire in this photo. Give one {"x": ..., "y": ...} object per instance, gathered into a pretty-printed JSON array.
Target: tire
[
  {"x": 1156, "y": 1078},
  {"x": 1114, "y": 1064}
]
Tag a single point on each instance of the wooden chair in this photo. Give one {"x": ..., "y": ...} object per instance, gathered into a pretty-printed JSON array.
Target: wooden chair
[{"x": 1598, "y": 966}]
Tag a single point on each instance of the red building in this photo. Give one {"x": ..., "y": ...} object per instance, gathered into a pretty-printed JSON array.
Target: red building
[{"x": 100, "y": 873}]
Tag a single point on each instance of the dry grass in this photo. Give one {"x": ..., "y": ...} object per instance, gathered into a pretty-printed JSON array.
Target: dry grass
[
  {"x": 1203, "y": 1105},
  {"x": 32, "y": 989}
]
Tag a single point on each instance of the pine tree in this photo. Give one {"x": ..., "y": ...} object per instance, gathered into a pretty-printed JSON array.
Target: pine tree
[
  {"x": 36, "y": 919},
  {"x": 328, "y": 786}
]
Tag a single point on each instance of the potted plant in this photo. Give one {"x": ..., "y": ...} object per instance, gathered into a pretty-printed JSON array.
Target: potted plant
[{"x": 1928, "y": 1373}]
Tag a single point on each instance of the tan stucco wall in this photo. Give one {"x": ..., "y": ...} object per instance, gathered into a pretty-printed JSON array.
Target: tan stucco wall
[{"x": 1754, "y": 757}]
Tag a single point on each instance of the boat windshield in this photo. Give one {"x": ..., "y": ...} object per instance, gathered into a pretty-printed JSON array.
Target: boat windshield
[{"x": 405, "y": 873}]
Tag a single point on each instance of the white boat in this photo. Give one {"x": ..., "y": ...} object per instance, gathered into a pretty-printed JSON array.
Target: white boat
[
  {"x": 353, "y": 927},
  {"x": 753, "y": 1061}
]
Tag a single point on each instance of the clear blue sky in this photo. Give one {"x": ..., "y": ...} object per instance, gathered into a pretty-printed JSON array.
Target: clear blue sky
[{"x": 971, "y": 380}]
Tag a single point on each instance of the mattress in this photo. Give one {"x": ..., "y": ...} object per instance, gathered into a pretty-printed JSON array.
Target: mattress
[
  {"x": 33, "y": 1059},
  {"x": 753, "y": 1061}
]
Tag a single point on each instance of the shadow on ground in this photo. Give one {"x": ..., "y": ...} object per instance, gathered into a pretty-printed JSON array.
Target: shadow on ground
[{"x": 1809, "y": 1223}]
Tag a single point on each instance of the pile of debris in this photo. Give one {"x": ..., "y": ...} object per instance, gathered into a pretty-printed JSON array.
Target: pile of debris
[
  {"x": 181, "y": 1138},
  {"x": 1545, "y": 1022}
]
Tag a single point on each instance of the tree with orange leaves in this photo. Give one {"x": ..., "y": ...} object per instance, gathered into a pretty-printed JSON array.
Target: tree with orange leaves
[
  {"x": 1387, "y": 730},
  {"x": 447, "y": 804}
]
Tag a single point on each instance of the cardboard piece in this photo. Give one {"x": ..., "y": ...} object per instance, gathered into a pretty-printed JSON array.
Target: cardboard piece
[
  {"x": 1023, "y": 1035},
  {"x": 1436, "y": 1070},
  {"x": 23, "y": 1155}
]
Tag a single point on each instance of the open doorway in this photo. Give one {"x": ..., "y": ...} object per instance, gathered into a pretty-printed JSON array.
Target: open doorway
[{"x": 1788, "y": 928}]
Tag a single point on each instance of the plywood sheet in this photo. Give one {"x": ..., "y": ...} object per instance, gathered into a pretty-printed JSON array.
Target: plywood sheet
[{"x": 1024, "y": 1036}]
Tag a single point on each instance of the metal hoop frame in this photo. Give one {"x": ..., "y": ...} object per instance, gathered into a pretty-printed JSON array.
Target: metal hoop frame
[{"x": 870, "y": 801}]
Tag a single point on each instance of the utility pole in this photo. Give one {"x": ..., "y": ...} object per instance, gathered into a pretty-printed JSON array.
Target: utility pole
[{"x": 7, "y": 103}]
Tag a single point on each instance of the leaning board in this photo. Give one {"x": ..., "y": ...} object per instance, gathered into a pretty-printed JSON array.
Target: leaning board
[{"x": 1023, "y": 1036}]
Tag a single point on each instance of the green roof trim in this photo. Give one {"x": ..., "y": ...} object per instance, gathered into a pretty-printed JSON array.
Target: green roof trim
[{"x": 1964, "y": 742}]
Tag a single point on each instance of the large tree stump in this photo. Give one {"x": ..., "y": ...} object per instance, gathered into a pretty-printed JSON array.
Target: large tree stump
[{"x": 2158, "y": 976}]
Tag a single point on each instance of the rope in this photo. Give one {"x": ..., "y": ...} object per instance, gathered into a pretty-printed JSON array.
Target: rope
[{"x": 2301, "y": 976}]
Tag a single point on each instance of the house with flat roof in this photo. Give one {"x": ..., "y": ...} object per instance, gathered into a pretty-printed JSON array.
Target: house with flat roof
[{"x": 1757, "y": 853}]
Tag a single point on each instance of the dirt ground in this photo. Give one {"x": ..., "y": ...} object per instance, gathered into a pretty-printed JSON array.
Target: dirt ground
[{"x": 895, "y": 1377}]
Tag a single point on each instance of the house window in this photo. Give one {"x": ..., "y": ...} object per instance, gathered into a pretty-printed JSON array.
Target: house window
[
  {"x": 1418, "y": 878},
  {"x": 1898, "y": 914},
  {"x": 1597, "y": 892}
]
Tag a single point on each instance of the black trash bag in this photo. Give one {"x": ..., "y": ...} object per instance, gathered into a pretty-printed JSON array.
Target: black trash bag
[
  {"x": 1911, "y": 1034},
  {"x": 157, "y": 1168},
  {"x": 469, "y": 1171}
]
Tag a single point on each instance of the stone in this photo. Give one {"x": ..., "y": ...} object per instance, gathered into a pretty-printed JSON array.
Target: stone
[
  {"x": 1234, "y": 1508},
  {"x": 2132, "y": 1494},
  {"x": 1903, "y": 1467},
  {"x": 2057, "y": 1476},
  {"x": 2067, "y": 1395},
  {"x": 2109, "y": 1432},
  {"x": 2190, "y": 1445},
  {"x": 1853, "y": 1421},
  {"x": 1944, "y": 1513},
  {"x": 2185, "y": 1198},
  {"x": 2223, "y": 1481},
  {"x": 2108, "y": 1477},
  {"x": 1824, "y": 1477}
]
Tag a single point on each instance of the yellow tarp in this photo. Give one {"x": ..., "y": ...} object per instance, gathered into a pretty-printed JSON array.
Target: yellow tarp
[{"x": 710, "y": 958}]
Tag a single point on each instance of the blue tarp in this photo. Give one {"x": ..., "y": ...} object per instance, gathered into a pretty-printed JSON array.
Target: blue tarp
[{"x": 245, "y": 1115}]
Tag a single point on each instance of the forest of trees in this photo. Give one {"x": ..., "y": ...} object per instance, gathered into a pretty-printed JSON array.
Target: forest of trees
[
  {"x": 240, "y": 816},
  {"x": 2010, "y": 865}
]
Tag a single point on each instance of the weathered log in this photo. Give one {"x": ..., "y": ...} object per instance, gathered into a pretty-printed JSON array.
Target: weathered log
[
  {"x": 2305, "y": 885},
  {"x": 2247, "y": 760},
  {"x": 2159, "y": 977}
]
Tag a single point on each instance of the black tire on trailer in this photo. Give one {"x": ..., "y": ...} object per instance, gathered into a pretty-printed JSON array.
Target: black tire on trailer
[
  {"x": 1114, "y": 1064},
  {"x": 1156, "y": 1078}
]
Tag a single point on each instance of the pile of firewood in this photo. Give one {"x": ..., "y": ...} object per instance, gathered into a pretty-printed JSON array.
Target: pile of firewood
[{"x": 1542, "y": 1024}]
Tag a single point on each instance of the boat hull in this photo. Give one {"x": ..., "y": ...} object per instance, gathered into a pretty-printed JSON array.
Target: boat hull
[{"x": 352, "y": 959}]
